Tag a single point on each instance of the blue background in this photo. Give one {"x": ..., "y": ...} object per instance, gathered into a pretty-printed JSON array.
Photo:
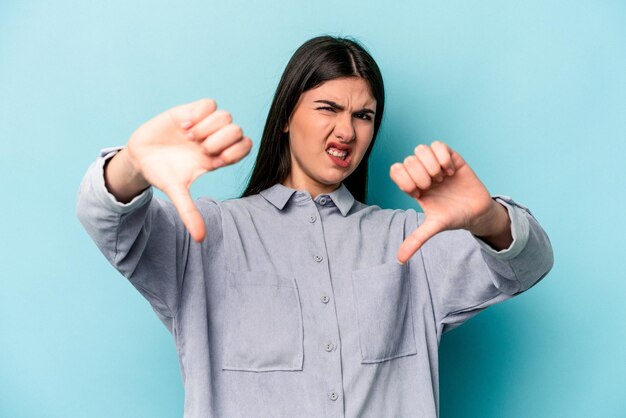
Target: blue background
[{"x": 532, "y": 94}]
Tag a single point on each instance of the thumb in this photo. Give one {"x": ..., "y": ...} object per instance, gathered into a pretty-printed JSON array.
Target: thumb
[
  {"x": 180, "y": 197},
  {"x": 414, "y": 242}
]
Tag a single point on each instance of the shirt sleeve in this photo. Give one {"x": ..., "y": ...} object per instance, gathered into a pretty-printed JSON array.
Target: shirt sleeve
[
  {"x": 465, "y": 275},
  {"x": 143, "y": 239}
]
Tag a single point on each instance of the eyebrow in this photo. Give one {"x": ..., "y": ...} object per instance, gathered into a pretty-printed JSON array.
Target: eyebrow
[{"x": 339, "y": 107}]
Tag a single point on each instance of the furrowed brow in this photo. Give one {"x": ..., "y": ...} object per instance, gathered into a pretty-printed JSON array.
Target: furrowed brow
[
  {"x": 339, "y": 107},
  {"x": 331, "y": 104}
]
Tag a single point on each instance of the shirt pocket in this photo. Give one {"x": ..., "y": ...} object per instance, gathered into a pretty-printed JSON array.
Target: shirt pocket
[
  {"x": 383, "y": 309},
  {"x": 263, "y": 323}
]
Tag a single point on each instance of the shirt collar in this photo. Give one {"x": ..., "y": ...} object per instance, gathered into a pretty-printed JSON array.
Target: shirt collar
[
  {"x": 278, "y": 195},
  {"x": 343, "y": 199}
]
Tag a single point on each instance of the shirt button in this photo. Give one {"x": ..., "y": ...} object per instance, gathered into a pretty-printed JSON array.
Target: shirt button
[
  {"x": 333, "y": 396},
  {"x": 323, "y": 201},
  {"x": 318, "y": 258},
  {"x": 312, "y": 218},
  {"x": 325, "y": 299},
  {"x": 329, "y": 346}
]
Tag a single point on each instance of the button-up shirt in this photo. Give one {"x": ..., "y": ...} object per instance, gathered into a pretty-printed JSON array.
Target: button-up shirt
[{"x": 295, "y": 307}]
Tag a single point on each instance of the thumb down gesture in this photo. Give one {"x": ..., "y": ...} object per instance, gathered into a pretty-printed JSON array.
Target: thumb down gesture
[{"x": 451, "y": 196}]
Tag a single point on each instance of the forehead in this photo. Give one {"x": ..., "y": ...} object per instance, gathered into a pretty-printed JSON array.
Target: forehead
[{"x": 347, "y": 90}]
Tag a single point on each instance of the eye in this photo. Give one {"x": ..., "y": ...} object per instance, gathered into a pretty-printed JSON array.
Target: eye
[
  {"x": 328, "y": 108},
  {"x": 363, "y": 116}
]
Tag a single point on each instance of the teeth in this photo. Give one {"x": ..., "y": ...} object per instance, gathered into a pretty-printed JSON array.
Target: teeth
[{"x": 336, "y": 153}]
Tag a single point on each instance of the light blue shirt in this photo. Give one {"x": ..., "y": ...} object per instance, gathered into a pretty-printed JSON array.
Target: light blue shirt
[{"x": 297, "y": 307}]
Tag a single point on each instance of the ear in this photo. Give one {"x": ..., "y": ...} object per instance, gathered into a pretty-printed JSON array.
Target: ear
[{"x": 286, "y": 128}]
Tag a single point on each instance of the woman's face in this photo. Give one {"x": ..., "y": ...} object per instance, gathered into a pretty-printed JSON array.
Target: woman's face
[{"x": 329, "y": 130}]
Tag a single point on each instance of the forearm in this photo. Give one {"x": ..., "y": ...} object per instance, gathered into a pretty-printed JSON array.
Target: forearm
[{"x": 121, "y": 178}]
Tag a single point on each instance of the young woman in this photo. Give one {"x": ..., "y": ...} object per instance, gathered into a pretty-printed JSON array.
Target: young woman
[{"x": 298, "y": 299}]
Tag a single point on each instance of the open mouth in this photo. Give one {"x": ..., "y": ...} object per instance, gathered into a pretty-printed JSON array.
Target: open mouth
[{"x": 341, "y": 154}]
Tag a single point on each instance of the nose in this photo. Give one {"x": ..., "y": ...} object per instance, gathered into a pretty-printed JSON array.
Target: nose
[{"x": 344, "y": 130}]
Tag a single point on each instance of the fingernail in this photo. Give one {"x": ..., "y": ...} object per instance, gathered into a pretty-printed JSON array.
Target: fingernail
[
  {"x": 450, "y": 171},
  {"x": 186, "y": 124},
  {"x": 218, "y": 162},
  {"x": 191, "y": 136},
  {"x": 399, "y": 262}
]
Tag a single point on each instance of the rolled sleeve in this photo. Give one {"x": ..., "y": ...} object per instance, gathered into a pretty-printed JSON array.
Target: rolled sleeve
[
  {"x": 95, "y": 176},
  {"x": 529, "y": 257},
  {"x": 519, "y": 230}
]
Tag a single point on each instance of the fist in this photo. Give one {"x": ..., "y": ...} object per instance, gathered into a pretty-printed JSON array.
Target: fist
[
  {"x": 449, "y": 192},
  {"x": 173, "y": 149}
]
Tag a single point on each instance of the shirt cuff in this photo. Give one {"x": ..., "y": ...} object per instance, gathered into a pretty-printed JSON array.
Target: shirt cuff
[
  {"x": 105, "y": 196},
  {"x": 519, "y": 230}
]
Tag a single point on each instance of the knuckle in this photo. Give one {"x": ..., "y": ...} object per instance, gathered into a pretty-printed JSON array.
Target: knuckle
[
  {"x": 208, "y": 104},
  {"x": 227, "y": 117},
  {"x": 206, "y": 145},
  {"x": 424, "y": 182},
  {"x": 210, "y": 145},
  {"x": 237, "y": 130},
  {"x": 435, "y": 171},
  {"x": 222, "y": 116},
  {"x": 227, "y": 157}
]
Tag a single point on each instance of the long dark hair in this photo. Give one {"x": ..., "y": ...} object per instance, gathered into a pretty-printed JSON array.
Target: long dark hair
[{"x": 318, "y": 60}]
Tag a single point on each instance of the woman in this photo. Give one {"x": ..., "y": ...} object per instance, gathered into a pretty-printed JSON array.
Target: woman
[{"x": 297, "y": 299}]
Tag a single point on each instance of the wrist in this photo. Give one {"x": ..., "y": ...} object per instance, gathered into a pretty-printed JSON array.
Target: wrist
[
  {"x": 494, "y": 227},
  {"x": 122, "y": 178},
  {"x": 131, "y": 170}
]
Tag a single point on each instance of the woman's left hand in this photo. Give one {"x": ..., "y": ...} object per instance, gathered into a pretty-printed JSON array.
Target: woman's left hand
[{"x": 451, "y": 196}]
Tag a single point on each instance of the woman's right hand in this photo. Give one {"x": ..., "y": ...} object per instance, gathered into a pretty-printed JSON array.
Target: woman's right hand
[{"x": 172, "y": 150}]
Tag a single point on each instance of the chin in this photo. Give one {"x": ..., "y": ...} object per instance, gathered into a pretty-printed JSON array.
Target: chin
[{"x": 331, "y": 180}]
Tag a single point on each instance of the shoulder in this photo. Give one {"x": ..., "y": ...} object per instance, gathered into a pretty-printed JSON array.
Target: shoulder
[
  {"x": 248, "y": 203},
  {"x": 208, "y": 204}
]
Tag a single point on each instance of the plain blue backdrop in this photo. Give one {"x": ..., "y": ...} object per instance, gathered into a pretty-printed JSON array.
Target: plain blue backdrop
[{"x": 532, "y": 94}]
